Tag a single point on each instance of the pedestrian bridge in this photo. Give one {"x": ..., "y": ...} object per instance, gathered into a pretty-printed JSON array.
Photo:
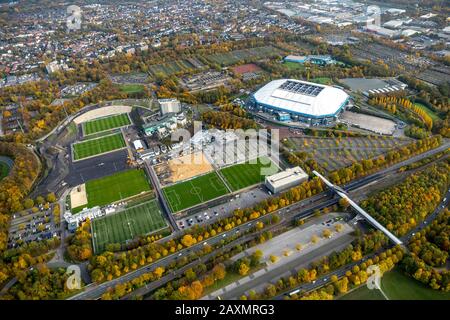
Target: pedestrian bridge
[{"x": 367, "y": 216}]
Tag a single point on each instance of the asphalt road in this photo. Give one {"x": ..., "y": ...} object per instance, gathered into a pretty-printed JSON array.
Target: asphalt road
[
  {"x": 341, "y": 272},
  {"x": 294, "y": 211}
]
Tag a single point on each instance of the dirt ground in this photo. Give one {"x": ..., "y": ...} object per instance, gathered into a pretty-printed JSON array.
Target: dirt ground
[
  {"x": 183, "y": 168},
  {"x": 78, "y": 196}
]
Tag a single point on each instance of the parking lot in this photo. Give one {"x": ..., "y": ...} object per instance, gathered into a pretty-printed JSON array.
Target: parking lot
[
  {"x": 27, "y": 226},
  {"x": 242, "y": 200}
]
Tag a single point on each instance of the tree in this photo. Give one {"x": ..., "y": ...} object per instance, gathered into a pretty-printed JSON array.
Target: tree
[
  {"x": 188, "y": 240},
  {"x": 273, "y": 258},
  {"x": 219, "y": 272},
  {"x": 326, "y": 233},
  {"x": 28, "y": 203},
  {"x": 243, "y": 269},
  {"x": 51, "y": 197},
  {"x": 40, "y": 200}
]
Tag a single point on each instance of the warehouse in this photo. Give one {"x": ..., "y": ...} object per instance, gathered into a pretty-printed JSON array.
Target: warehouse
[
  {"x": 286, "y": 179},
  {"x": 307, "y": 102}
]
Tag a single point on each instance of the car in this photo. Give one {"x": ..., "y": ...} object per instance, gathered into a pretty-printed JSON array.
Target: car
[
  {"x": 208, "y": 217},
  {"x": 216, "y": 213},
  {"x": 205, "y": 214}
]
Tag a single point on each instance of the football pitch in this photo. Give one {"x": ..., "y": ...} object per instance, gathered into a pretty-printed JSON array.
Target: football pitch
[
  {"x": 96, "y": 146},
  {"x": 246, "y": 174},
  {"x": 105, "y": 124},
  {"x": 192, "y": 192},
  {"x": 115, "y": 187},
  {"x": 127, "y": 225}
]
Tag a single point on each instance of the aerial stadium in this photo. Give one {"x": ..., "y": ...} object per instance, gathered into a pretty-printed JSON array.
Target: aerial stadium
[{"x": 295, "y": 100}]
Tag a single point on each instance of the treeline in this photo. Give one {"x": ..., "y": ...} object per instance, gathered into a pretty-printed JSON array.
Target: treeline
[
  {"x": 226, "y": 120},
  {"x": 391, "y": 104},
  {"x": 45, "y": 116},
  {"x": 360, "y": 247},
  {"x": 367, "y": 166},
  {"x": 353, "y": 278},
  {"x": 80, "y": 244},
  {"x": 41, "y": 283},
  {"x": 15, "y": 187},
  {"x": 436, "y": 96},
  {"x": 404, "y": 206},
  {"x": 429, "y": 251}
]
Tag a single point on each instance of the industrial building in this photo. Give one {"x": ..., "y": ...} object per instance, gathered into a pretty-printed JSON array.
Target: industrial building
[
  {"x": 169, "y": 106},
  {"x": 164, "y": 125},
  {"x": 285, "y": 179},
  {"x": 310, "y": 103}
]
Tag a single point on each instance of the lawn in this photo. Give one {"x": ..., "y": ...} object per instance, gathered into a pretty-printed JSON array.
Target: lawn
[
  {"x": 127, "y": 225},
  {"x": 114, "y": 188},
  {"x": 397, "y": 286},
  {"x": 132, "y": 88},
  {"x": 96, "y": 146},
  {"x": 242, "y": 175},
  {"x": 192, "y": 192},
  {"x": 430, "y": 112},
  {"x": 363, "y": 293},
  {"x": 322, "y": 80},
  {"x": 105, "y": 124},
  {"x": 293, "y": 65},
  {"x": 4, "y": 169}
]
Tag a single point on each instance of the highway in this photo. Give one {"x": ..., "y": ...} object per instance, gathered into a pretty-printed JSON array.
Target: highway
[
  {"x": 292, "y": 212},
  {"x": 341, "y": 272}
]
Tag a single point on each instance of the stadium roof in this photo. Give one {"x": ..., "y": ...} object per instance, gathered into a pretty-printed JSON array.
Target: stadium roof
[{"x": 301, "y": 97}]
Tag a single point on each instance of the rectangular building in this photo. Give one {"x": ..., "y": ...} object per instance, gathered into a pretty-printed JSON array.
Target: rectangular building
[
  {"x": 285, "y": 179},
  {"x": 169, "y": 106}
]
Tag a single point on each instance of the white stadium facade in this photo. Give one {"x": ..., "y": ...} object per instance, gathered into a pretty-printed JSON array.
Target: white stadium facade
[{"x": 295, "y": 100}]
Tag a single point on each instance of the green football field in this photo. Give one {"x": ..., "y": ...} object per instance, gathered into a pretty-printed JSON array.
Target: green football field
[
  {"x": 100, "y": 145},
  {"x": 104, "y": 124},
  {"x": 114, "y": 188},
  {"x": 243, "y": 175},
  {"x": 192, "y": 192},
  {"x": 127, "y": 225}
]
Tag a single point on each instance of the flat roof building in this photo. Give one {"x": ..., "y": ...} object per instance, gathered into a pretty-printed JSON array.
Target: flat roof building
[
  {"x": 169, "y": 106},
  {"x": 285, "y": 179}
]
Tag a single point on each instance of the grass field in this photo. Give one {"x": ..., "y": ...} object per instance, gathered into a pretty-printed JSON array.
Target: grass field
[
  {"x": 430, "y": 112},
  {"x": 4, "y": 170},
  {"x": 132, "y": 88},
  {"x": 397, "y": 286},
  {"x": 242, "y": 175},
  {"x": 93, "y": 147},
  {"x": 114, "y": 188},
  {"x": 293, "y": 65},
  {"x": 127, "y": 225},
  {"x": 105, "y": 124},
  {"x": 192, "y": 192},
  {"x": 322, "y": 80}
]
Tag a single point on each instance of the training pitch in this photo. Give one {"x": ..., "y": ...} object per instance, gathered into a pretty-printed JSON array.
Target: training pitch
[
  {"x": 105, "y": 124},
  {"x": 114, "y": 188},
  {"x": 97, "y": 146},
  {"x": 192, "y": 192},
  {"x": 246, "y": 174},
  {"x": 127, "y": 225}
]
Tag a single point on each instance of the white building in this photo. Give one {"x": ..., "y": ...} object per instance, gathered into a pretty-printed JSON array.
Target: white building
[
  {"x": 286, "y": 179},
  {"x": 304, "y": 101},
  {"x": 169, "y": 106}
]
